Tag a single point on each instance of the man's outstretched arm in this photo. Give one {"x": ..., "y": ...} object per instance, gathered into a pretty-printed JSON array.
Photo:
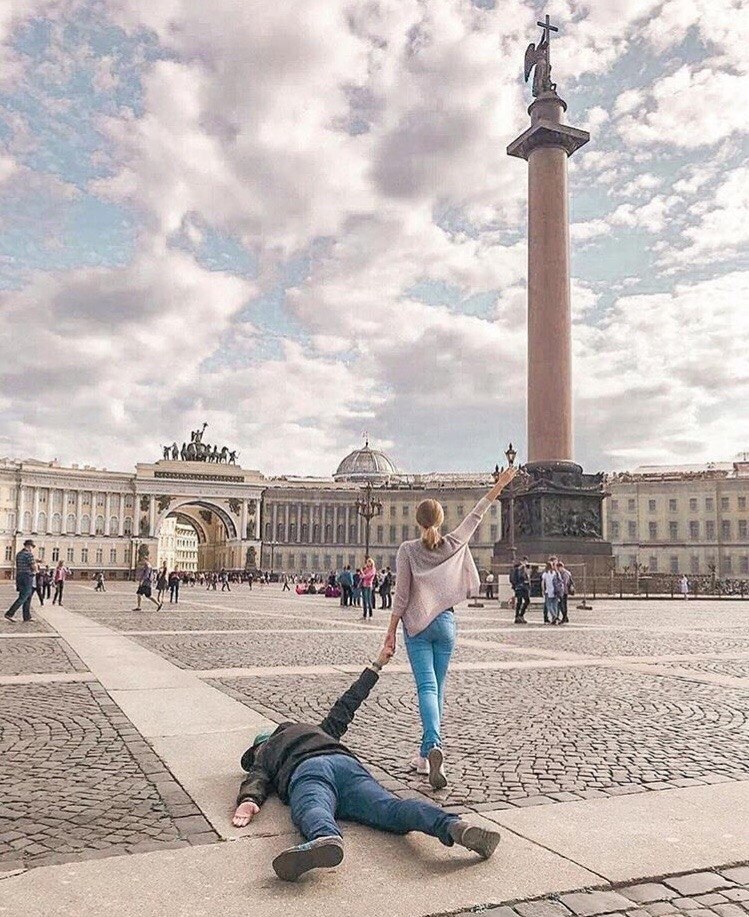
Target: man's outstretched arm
[
  {"x": 253, "y": 792},
  {"x": 342, "y": 712}
]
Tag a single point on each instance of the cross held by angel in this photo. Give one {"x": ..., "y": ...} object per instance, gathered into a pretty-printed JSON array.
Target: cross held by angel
[{"x": 540, "y": 58}]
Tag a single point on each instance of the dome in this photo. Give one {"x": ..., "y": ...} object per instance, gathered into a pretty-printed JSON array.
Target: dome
[{"x": 365, "y": 465}]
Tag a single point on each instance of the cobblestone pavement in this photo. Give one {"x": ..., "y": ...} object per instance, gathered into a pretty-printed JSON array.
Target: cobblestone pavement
[
  {"x": 35, "y": 626},
  {"x": 206, "y": 620},
  {"x": 528, "y": 736},
  {"x": 711, "y": 893},
  {"x": 734, "y": 668},
  {"x": 36, "y": 656},
  {"x": 216, "y": 651},
  {"x": 76, "y": 781}
]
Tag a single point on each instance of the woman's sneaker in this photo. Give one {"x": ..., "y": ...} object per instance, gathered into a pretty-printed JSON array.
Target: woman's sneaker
[
  {"x": 479, "y": 840},
  {"x": 436, "y": 762},
  {"x": 322, "y": 853},
  {"x": 419, "y": 764}
]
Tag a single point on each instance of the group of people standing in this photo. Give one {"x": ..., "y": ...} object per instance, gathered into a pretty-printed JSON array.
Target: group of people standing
[
  {"x": 359, "y": 587},
  {"x": 557, "y": 585}
]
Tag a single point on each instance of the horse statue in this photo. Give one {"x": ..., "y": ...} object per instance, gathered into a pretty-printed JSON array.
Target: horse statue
[
  {"x": 233, "y": 457},
  {"x": 183, "y": 452},
  {"x": 167, "y": 450},
  {"x": 175, "y": 452},
  {"x": 223, "y": 455}
]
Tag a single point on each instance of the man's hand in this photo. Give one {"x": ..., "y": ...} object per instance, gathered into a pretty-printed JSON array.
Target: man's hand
[
  {"x": 245, "y": 813},
  {"x": 386, "y": 655}
]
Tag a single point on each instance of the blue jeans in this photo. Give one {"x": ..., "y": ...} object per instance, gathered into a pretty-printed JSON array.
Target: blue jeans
[
  {"x": 366, "y": 594},
  {"x": 551, "y": 608},
  {"x": 429, "y": 653},
  {"x": 25, "y": 589},
  {"x": 331, "y": 786}
]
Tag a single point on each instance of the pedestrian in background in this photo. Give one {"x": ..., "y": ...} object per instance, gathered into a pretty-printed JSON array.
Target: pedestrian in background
[
  {"x": 684, "y": 586},
  {"x": 162, "y": 582},
  {"x": 490, "y": 585},
  {"x": 569, "y": 589},
  {"x": 26, "y": 570},
  {"x": 145, "y": 582},
  {"x": 174, "y": 587},
  {"x": 550, "y": 580},
  {"x": 368, "y": 573},
  {"x": 60, "y": 575},
  {"x": 521, "y": 585}
]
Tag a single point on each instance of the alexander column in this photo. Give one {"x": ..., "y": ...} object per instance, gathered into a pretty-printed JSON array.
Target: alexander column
[{"x": 556, "y": 508}]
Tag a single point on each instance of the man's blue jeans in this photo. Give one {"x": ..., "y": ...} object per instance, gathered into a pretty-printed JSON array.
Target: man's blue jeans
[
  {"x": 429, "y": 653},
  {"x": 331, "y": 786},
  {"x": 25, "y": 588}
]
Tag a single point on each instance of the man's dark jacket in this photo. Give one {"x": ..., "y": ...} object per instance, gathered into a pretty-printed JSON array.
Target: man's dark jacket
[{"x": 271, "y": 765}]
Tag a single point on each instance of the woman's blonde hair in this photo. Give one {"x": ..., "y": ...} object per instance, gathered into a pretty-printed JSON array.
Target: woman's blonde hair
[{"x": 430, "y": 516}]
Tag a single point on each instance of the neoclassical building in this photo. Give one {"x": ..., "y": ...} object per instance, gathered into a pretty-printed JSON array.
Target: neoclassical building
[{"x": 205, "y": 516}]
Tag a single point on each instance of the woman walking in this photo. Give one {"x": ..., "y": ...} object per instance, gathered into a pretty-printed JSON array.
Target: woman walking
[
  {"x": 162, "y": 581},
  {"x": 434, "y": 573},
  {"x": 368, "y": 573},
  {"x": 61, "y": 574}
]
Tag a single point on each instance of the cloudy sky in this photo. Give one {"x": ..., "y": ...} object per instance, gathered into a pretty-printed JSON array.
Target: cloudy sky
[{"x": 297, "y": 221}]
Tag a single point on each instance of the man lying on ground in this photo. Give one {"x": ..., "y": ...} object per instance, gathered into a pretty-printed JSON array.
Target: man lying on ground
[{"x": 321, "y": 779}]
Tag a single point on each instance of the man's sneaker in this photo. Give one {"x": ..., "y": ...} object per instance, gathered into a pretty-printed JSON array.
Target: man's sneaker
[
  {"x": 520, "y": 620},
  {"x": 322, "y": 853},
  {"x": 419, "y": 764},
  {"x": 10, "y": 619},
  {"x": 479, "y": 840},
  {"x": 436, "y": 762}
]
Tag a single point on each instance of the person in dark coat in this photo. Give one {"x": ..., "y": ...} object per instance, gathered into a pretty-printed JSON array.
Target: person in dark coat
[{"x": 321, "y": 780}]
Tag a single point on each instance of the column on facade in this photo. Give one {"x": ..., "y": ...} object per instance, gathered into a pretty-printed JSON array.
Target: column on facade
[
  {"x": 107, "y": 512},
  {"x": 258, "y": 505},
  {"x": 21, "y": 507},
  {"x": 286, "y": 522},
  {"x": 243, "y": 521},
  {"x": 152, "y": 516},
  {"x": 78, "y": 511},
  {"x": 35, "y": 511},
  {"x": 121, "y": 515},
  {"x": 64, "y": 525},
  {"x": 274, "y": 522}
]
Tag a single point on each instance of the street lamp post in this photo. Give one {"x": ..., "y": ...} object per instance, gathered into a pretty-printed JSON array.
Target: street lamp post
[
  {"x": 510, "y": 455},
  {"x": 368, "y": 507},
  {"x": 272, "y": 545}
]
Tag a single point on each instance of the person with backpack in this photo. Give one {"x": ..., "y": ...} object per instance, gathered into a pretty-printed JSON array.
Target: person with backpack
[
  {"x": 569, "y": 589},
  {"x": 521, "y": 585}
]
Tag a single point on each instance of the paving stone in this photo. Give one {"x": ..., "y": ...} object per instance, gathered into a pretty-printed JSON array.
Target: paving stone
[
  {"x": 739, "y": 874},
  {"x": 659, "y": 908},
  {"x": 587, "y": 904},
  {"x": 647, "y": 892},
  {"x": 544, "y": 908},
  {"x": 698, "y": 883}
]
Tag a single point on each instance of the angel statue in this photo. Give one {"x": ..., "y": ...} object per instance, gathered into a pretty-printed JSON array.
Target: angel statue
[{"x": 539, "y": 57}]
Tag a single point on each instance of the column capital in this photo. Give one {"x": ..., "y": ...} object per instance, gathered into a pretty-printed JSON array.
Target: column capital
[{"x": 545, "y": 132}]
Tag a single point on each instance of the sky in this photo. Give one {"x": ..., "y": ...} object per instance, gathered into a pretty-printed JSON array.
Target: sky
[{"x": 297, "y": 222}]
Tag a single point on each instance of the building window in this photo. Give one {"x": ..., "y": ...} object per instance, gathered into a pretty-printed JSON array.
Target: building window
[
  {"x": 710, "y": 530},
  {"x": 70, "y": 524},
  {"x": 709, "y": 503},
  {"x": 725, "y": 529},
  {"x": 100, "y": 499},
  {"x": 632, "y": 529},
  {"x": 100, "y": 525},
  {"x": 404, "y": 533},
  {"x": 653, "y": 531},
  {"x": 742, "y": 528},
  {"x": 280, "y": 534},
  {"x": 114, "y": 525},
  {"x": 614, "y": 529},
  {"x": 493, "y": 510},
  {"x": 614, "y": 506},
  {"x": 651, "y": 506},
  {"x": 380, "y": 534},
  {"x": 744, "y": 564},
  {"x": 291, "y": 561},
  {"x": 392, "y": 509},
  {"x": 339, "y": 561},
  {"x": 694, "y": 564},
  {"x": 27, "y": 521},
  {"x": 70, "y": 555},
  {"x": 694, "y": 530},
  {"x": 493, "y": 532},
  {"x": 55, "y": 554},
  {"x": 113, "y": 555},
  {"x": 268, "y": 531},
  {"x": 724, "y": 503},
  {"x": 742, "y": 502},
  {"x": 352, "y": 535},
  {"x": 631, "y": 506},
  {"x": 693, "y": 504},
  {"x": 9, "y": 552},
  {"x": 41, "y": 523},
  {"x": 674, "y": 563},
  {"x": 315, "y": 563},
  {"x": 672, "y": 506},
  {"x": 460, "y": 510},
  {"x": 653, "y": 564},
  {"x": 393, "y": 534},
  {"x": 128, "y": 525},
  {"x": 85, "y": 525},
  {"x": 99, "y": 556},
  {"x": 40, "y": 553},
  {"x": 327, "y": 561},
  {"x": 728, "y": 564},
  {"x": 328, "y": 534},
  {"x": 316, "y": 527},
  {"x": 673, "y": 530},
  {"x": 303, "y": 562},
  {"x": 84, "y": 555},
  {"x": 352, "y": 560},
  {"x": 340, "y": 534},
  {"x": 405, "y": 509}
]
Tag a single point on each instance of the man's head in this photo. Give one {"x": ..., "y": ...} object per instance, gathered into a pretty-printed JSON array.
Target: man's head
[
  {"x": 248, "y": 758},
  {"x": 29, "y": 543}
]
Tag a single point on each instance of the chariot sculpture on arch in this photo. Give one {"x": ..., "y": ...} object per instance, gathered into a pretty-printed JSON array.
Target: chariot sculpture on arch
[{"x": 198, "y": 451}]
